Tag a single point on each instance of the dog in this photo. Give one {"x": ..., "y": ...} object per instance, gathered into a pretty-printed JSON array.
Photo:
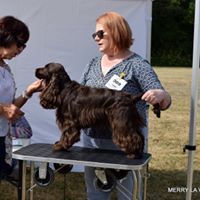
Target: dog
[{"x": 78, "y": 106}]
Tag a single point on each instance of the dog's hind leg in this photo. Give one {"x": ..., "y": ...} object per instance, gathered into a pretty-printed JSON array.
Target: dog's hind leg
[
  {"x": 126, "y": 132},
  {"x": 129, "y": 140}
]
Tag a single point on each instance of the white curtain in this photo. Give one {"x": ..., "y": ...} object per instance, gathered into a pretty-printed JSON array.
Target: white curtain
[{"x": 60, "y": 31}]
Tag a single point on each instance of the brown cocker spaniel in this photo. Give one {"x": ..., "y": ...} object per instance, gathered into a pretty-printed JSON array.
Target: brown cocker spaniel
[{"x": 78, "y": 106}]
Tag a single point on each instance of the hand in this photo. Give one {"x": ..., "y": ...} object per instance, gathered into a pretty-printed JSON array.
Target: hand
[
  {"x": 11, "y": 112},
  {"x": 36, "y": 86},
  {"x": 157, "y": 96}
]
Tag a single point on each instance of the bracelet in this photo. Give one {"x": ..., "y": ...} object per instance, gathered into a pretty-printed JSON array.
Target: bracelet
[{"x": 25, "y": 95}]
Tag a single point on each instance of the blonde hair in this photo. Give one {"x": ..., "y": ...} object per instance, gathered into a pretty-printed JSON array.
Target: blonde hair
[{"x": 119, "y": 30}]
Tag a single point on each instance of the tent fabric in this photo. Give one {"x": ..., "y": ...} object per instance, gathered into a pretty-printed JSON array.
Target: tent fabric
[{"x": 60, "y": 31}]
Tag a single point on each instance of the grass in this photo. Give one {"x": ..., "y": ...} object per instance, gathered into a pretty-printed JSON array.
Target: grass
[{"x": 167, "y": 137}]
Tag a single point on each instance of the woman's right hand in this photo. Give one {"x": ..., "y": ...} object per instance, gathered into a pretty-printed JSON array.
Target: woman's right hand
[{"x": 11, "y": 112}]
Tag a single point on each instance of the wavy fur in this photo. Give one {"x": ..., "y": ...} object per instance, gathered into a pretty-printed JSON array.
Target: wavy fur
[{"x": 78, "y": 106}]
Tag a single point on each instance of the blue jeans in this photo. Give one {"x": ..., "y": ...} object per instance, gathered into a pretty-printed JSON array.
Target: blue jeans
[{"x": 92, "y": 192}]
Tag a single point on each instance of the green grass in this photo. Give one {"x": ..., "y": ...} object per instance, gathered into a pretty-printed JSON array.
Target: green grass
[{"x": 167, "y": 137}]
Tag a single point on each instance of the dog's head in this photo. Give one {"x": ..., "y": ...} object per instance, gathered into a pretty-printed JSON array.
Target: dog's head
[{"x": 54, "y": 79}]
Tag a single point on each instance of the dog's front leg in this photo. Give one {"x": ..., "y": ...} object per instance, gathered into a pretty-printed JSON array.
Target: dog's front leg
[
  {"x": 69, "y": 136},
  {"x": 58, "y": 146}
]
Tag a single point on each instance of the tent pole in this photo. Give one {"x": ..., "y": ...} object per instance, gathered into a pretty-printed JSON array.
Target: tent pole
[
  {"x": 194, "y": 100},
  {"x": 149, "y": 24}
]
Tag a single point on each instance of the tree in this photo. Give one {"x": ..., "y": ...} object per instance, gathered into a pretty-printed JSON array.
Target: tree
[{"x": 172, "y": 32}]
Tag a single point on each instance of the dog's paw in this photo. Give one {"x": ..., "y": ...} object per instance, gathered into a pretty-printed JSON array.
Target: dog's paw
[
  {"x": 130, "y": 156},
  {"x": 58, "y": 146}
]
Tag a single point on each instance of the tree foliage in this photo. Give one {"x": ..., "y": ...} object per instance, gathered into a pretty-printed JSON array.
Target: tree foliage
[{"x": 172, "y": 32}]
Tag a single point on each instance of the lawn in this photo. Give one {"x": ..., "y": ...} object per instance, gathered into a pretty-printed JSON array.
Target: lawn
[{"x": 167, "y": 137}]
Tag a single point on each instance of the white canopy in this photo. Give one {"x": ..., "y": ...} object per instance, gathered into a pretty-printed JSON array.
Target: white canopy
[{"x": 60, "y": 31}]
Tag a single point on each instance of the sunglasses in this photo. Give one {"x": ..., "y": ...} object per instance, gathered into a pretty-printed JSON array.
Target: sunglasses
[{"x": 99, "y": 33}]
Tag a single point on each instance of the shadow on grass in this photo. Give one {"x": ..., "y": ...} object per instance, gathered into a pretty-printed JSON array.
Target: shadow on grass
[
  {"x": 171, "y": 185},
  {"x": 161, "y": 185}
]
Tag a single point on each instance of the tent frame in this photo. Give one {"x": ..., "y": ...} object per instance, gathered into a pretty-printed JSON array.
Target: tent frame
[{"x": 194, "y": 100}]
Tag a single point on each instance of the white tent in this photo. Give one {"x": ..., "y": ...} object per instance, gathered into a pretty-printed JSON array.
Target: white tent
[
  {"x": 191, "y": 147},
  {"x": 60, "y": 31}
]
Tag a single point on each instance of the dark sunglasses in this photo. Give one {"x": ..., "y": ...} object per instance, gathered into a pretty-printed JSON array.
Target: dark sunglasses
[{"x": 99, "y": 33}]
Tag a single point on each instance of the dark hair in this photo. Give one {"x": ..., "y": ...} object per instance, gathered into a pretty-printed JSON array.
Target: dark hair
[{"x": 13, "y": 31}]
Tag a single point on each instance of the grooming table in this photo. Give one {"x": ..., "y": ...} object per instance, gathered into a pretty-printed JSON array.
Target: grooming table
[{"x": 41, "y": 152}]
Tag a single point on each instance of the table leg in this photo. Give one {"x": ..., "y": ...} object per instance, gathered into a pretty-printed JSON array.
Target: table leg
[
  {"x": 135, "y": 185},
  {"x": 19, "y": 188},
  {"x": 145, "y": 182},
  {"x": 31, "y": 181},
  {"x": 139, "y": 183},
  {"x": 23, "y": 180}
]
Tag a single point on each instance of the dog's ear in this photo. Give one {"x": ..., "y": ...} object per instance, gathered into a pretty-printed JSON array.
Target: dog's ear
[
  {"x": 63, "y": 79},
  {"x": 49, "y": 97}
]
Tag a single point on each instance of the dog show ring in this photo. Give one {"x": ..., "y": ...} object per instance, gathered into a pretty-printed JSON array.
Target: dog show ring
[{"x": 109, "y": 160}]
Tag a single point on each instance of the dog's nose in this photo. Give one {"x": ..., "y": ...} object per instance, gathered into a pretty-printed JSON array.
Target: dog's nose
[{"x": 37, "y": 74}]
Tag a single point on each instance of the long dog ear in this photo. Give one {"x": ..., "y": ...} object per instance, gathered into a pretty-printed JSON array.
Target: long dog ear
[{"x": 49, "y": 97}]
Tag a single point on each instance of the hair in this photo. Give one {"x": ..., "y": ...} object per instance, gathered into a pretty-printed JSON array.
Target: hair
[
  {"x": 13, "y": 31},
  {"x": 118, "y": 28}
]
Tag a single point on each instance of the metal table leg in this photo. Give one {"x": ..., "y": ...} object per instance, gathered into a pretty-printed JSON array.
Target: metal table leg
[
  {"x": 139, "y": 188},
  {"x": 139, "y": 183},
  {"x": 22, "y": 180},
  {"x": 19, "y": 187},
  {"x": 135, "y": 185},
  {"x": 31, "y": 180}
]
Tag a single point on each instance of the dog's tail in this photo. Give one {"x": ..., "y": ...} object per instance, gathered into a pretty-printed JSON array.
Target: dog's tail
[{"x": 156, "y": 108}]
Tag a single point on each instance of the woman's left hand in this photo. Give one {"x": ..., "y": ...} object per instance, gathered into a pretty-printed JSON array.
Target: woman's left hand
[
  {"x": 36, "y": 86},
  {"x": 159, "y": 96}
]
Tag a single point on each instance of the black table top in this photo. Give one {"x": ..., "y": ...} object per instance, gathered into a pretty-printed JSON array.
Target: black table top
[{"x": 43, "y": 152}]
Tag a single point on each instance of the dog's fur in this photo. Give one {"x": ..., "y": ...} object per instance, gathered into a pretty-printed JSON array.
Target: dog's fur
[{"x": 80, "y": 106}]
